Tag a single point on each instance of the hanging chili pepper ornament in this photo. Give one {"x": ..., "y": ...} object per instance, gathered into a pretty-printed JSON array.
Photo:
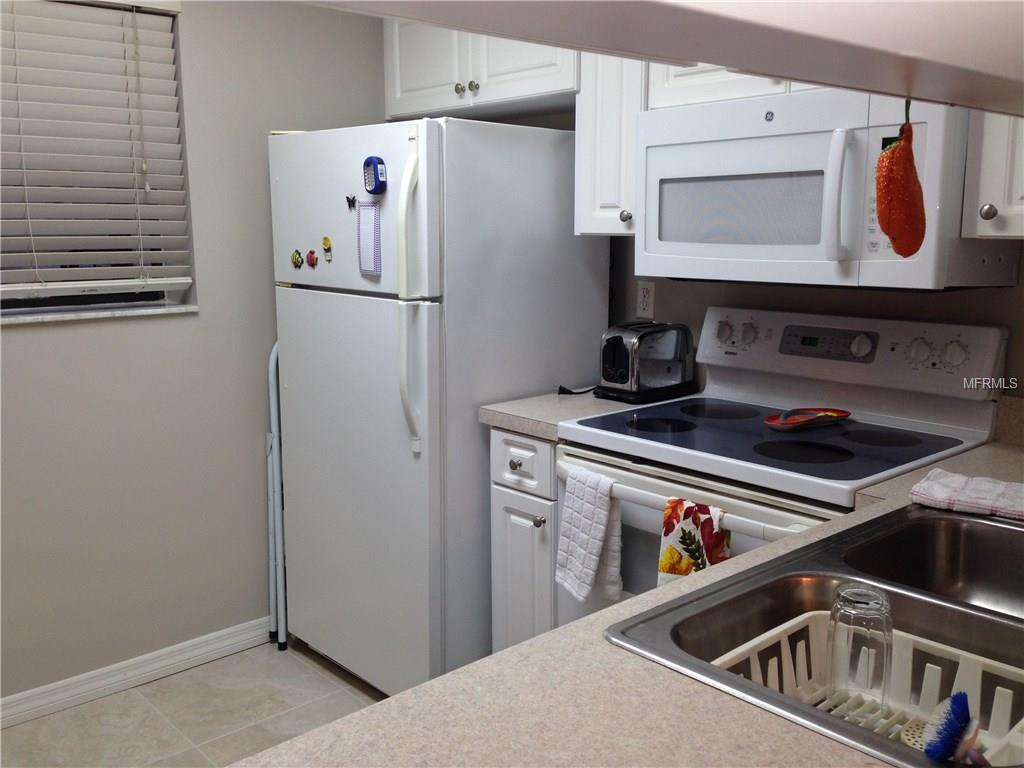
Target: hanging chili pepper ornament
[{"x": 898, "y": 191}]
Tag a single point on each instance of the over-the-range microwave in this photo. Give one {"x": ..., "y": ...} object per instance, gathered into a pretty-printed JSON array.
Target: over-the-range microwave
[{"x": 781, "y": 189}]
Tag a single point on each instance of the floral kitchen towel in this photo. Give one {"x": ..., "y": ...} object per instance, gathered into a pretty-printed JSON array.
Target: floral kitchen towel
[{"x": 691, "y": 539}]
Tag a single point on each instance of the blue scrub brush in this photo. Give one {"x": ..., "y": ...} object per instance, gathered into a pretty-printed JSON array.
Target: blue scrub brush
[{"x": 950, "y": 730}]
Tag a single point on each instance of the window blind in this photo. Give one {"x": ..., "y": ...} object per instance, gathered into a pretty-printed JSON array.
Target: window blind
[{"x": 94, "y": 199}]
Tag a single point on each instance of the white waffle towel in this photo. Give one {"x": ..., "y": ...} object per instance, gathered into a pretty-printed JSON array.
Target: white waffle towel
[
  {"x": 589, "y": 537},
  {"x": 976, "y": 495}
]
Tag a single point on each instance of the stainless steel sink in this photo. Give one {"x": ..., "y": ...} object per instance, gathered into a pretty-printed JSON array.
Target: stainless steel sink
[
  {"x": 968, "y": 559},
  {"x": 970, "y": 605}
]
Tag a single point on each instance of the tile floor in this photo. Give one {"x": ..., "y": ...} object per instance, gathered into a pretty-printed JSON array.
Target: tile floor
[{"x": 210, "y": 715}]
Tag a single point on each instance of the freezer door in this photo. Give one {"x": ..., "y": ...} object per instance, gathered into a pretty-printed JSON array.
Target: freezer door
[
  {"x": 361, "y": 507},
  {"x": 315, "y": 176}
]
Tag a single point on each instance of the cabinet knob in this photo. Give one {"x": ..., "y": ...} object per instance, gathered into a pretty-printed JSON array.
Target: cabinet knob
[
  {"x": 625, "y": 216},
  {"x": 988, "y": 212},
  {"x": 539, "y": 521},
  {"x": 474, "y": 86},
  {"x": 460, "y": 89},
  {"x": 515, "y": 464}
]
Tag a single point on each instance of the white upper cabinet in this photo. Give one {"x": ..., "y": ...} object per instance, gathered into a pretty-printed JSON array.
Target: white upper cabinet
[
  {"x": 994, "y": 179},
  {"x": 672, "y": 86},
  {"x": 795, "y": 86},
  {"x": 425, "y": 68},
  {"x": 610, "y": 98},
  {"x": 506, "y": 70},
  {"x": 436, "y": 71}
]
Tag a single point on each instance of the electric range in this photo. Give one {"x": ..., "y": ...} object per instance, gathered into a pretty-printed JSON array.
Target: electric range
[{"x": 909, "y": 387}]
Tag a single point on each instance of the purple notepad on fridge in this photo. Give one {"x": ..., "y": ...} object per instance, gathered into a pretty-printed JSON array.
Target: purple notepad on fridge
[{"x": 368, "y": 238}]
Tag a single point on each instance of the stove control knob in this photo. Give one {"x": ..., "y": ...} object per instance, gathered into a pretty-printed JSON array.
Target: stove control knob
[
  {"x": 724, "y": 331},
  {"x": 748, "y": 333},
  {"x": 861, "y": 345},
  {"x": 955, "y": 353},
  {"x": 920, "y": 350}
]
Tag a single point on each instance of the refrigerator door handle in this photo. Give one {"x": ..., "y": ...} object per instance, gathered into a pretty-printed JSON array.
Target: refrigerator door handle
[
  {"x": 410, "y": 178},
  {"x": 405, "y": 310}
]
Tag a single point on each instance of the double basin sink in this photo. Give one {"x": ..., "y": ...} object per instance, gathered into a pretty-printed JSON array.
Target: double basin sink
[{"x": 953, "y": 579}]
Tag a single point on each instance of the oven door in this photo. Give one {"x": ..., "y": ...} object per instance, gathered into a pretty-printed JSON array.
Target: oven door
[
  {"x": 641, "y": 500},
  {"x": 769, "y": 189}
]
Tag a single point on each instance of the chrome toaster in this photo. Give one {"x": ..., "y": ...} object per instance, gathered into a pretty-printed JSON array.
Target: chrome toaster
[{"x": 644, "y": 361}]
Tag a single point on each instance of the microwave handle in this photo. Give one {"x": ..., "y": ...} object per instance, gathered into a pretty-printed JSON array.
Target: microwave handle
[{"x": 832, "y": 204}]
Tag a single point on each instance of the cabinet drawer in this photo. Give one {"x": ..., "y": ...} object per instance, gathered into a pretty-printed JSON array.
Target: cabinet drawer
[
  {"x": 522, "y": 566},
  {"x": 523, "y": 463}
]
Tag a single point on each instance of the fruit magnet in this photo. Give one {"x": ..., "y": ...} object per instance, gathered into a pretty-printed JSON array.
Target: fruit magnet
[{"x": 296, "y": 259}]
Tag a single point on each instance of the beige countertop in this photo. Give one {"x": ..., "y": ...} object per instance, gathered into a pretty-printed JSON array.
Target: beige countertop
[
  {"x": 568, "y": 697},
  {"x": 539, "y": 416}
]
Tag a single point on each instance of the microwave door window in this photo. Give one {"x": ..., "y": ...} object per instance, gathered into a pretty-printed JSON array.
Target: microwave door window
[{"x": 750, "y": 209}]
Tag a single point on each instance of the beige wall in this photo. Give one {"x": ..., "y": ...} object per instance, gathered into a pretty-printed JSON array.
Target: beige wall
[
  {"x": 134, "y": 491},
  {"x": 686, "y": 301}
]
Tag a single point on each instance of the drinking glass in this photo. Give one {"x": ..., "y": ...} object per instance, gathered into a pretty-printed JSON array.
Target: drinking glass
[{"x": 859, "y": 642}]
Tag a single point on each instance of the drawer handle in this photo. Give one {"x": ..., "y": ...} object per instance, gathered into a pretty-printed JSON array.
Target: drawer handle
[
  {"x": 515, "y": 464},
  {"x": 539, "y": 521}
]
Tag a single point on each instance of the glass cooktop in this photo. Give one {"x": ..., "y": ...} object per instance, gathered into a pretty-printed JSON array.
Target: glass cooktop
[{"x": 847, "y": 450}]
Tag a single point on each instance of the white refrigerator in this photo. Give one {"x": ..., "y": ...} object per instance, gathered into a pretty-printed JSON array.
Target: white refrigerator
[{"x": 457, "y": 282}]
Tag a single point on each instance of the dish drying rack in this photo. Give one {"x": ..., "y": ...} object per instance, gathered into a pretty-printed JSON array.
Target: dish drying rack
[{"x": 791, "y": 659}]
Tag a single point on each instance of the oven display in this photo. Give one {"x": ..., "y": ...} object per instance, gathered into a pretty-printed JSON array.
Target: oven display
[{"x": 826, "y": 343}]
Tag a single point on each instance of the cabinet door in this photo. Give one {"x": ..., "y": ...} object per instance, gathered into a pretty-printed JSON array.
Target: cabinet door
[
  {"x": 672, "y": 86},
  {"x": 522, "y": 566},
  {"x": 610, "y": 98},
  {"x": 994, "y": 177},
  {"x": 424, "y": 68},
  {"x": 502, "y": 69}
]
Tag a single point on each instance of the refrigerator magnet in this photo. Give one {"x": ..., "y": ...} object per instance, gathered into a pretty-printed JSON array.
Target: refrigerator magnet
[
  {"x": 328, "y": 253},
  {"x": 312, "y": 259},
  {"x": 296, "y": 259},
  {"x": 375, "y": 175}
]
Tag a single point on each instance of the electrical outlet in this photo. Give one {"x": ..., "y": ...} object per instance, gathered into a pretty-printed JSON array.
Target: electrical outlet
[{"x": 645, "y": 300}]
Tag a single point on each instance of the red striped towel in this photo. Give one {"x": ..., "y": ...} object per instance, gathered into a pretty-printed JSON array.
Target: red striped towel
[{"x": 976, "y": 495}]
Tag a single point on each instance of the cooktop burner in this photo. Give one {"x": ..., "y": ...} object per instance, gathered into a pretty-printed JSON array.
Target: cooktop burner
[
  {"x": 706, "y": 409},
  {"x": 643, "y": 424},
  {"x": 888, "y": 437},
  {"x": 803, "y": 451},
  {"x": 847, "y": 450}
]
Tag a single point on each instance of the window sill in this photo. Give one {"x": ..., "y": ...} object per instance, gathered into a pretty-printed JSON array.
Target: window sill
[{"x": 98, "y": 314}]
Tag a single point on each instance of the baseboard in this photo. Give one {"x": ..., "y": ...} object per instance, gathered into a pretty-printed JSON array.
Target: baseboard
[{"x": 19, "y": 707}]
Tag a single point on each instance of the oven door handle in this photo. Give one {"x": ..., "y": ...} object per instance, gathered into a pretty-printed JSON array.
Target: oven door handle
[
  {"x": 730, "y": 520},
  {"x": 832, "y": 199}
]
